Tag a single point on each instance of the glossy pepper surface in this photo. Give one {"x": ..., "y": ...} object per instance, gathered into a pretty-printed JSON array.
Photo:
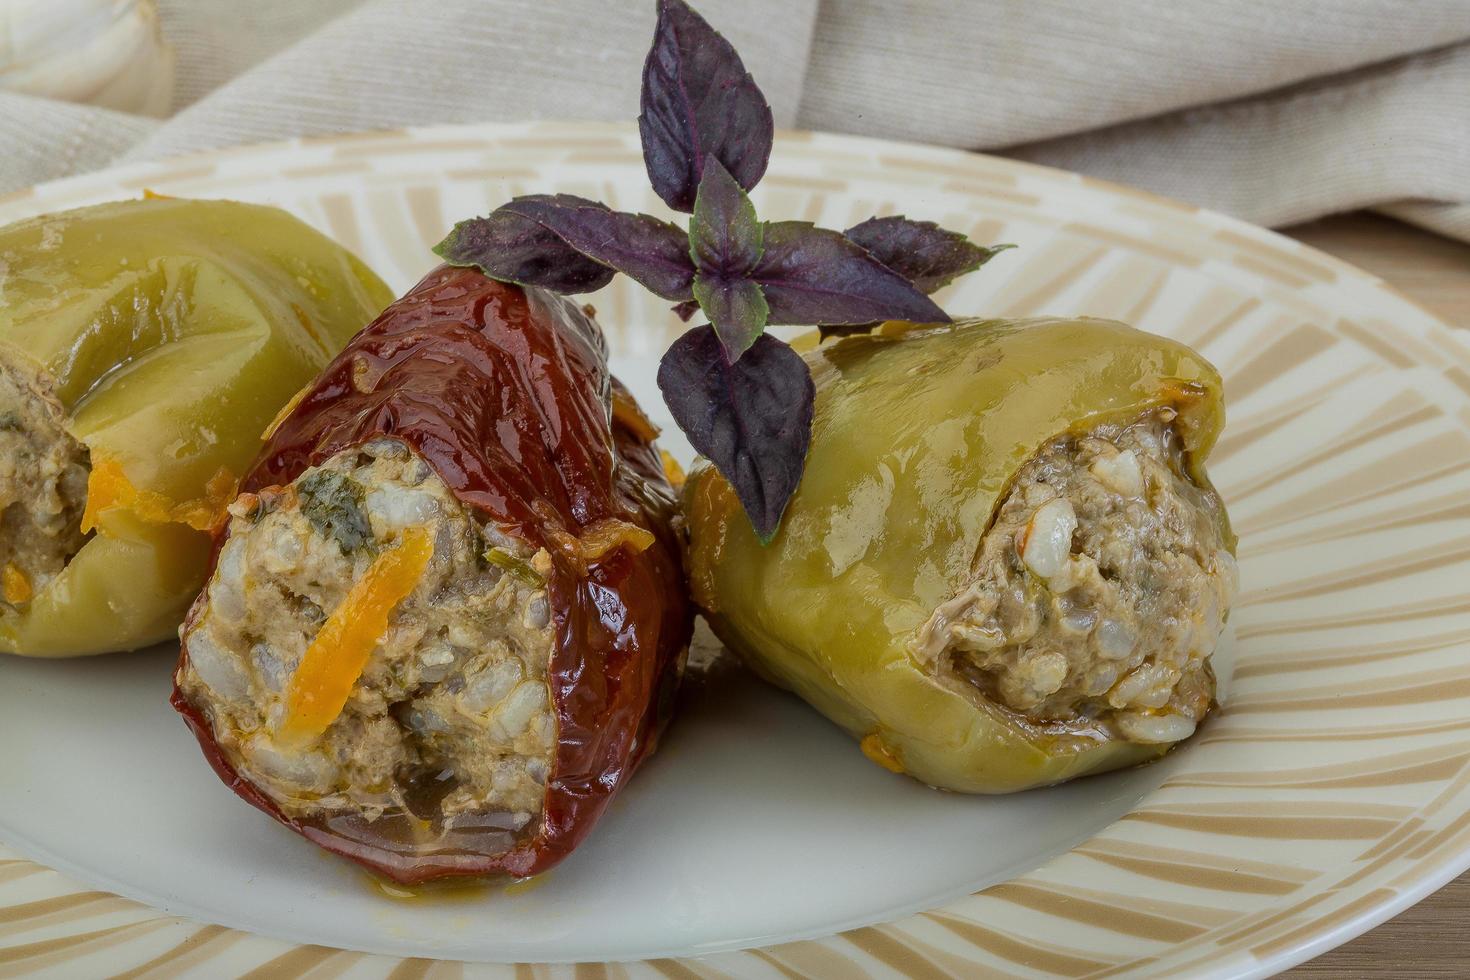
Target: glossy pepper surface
[
  {"x": 917, "y": 434},
  {"x": 506, "y": 394},
  {"x": 171, "y": 332}
]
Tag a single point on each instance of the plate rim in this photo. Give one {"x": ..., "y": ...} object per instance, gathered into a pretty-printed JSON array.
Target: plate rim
[{"x": 1431, "y": 876}]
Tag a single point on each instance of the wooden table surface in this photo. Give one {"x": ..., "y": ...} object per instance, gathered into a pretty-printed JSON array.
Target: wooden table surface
[{"x": 1430, "y": 939}]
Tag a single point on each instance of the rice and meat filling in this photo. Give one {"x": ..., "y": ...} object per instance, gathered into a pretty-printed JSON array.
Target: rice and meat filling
[
  {"x": 450, "y": 722},
  {"x": 1099, "y": 590},
  {"x": 43, "y": 483}
]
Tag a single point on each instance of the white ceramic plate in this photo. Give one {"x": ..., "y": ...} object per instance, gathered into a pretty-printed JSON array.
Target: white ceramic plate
[{"x": 1332, "y": 792}]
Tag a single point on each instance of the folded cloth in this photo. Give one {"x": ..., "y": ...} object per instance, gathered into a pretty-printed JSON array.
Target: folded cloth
[{"x": 1276, "y": 112}]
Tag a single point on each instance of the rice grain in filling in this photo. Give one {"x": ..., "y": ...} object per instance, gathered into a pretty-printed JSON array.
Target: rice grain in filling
[
  {"x": 43, "y": 482},
  {"x": 1099, "y": 591},
  {"x": 449, "y": 728}
]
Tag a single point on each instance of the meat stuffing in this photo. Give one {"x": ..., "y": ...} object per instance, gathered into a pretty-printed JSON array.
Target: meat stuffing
[
  {"x": 43, "y": 483},
  {"x": 1099, "y": 591},
  {"x": 450, "y": 721}
]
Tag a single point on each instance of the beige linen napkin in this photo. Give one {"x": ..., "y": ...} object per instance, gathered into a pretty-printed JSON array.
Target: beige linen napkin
[{"x": 1274, "y": 110}]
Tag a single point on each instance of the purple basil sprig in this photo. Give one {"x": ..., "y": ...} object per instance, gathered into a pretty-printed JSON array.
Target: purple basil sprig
[
  {"x": 925, "y": 254},
  {"x": 514, "y": 249},
  {"x": 813, "y": 275},
  {"x": 698, "y": 102},
  {"x": 726, "y": 240},
  {"x": 587, "y": 233},
  {"x": 652, "y": 252},
  {"x": 744, "y": 398},
  {"x": 764, "y": 399}
]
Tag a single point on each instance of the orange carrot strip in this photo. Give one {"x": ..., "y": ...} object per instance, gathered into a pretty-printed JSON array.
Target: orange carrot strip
[
  {"x": 338, "y": 655},
  {"x": 628, "y": 412},
  {"x": 672, "y": 470},
  {"x": 878, "y": 751},
  {"x": 599, "y": 539},
  {"x": 284, "y": 413},
  {"x": 15, "y": 585},
  {"x": 606, "y": 536},
  {"x": 108, "y": 487}
]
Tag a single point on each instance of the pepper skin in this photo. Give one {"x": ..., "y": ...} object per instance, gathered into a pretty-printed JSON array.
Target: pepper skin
[
  {"x": 917, "y": 434},
  {"x": 506, "y": 394},
  {"x": 171, "y": 332}
]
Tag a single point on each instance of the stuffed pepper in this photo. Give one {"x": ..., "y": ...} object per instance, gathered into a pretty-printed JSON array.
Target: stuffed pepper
[
  {"x": 447, "y": 616},
  {"x": 144, "y": 346},
  {"x": 1005, "y": 565}
]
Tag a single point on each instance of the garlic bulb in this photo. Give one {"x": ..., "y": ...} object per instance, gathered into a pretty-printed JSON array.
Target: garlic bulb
[{"x": 107, "y": 53}]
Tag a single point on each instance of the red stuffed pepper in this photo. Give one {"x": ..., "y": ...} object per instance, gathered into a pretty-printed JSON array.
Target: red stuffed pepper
[{"x": 446, "y": 618}]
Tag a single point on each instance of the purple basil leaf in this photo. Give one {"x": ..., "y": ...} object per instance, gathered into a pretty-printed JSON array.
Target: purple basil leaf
[
  {"x": 724, "y": 233},
  {"x": 737, "y": 308},
  {"x": 654, "y": 252},
  {"x": 813, "y": 275},
  {"x": 922, "y": 252},
  {"x": 514, "y": 249},
  {"x": 752, "y": 419},
  {"x": 698, "y": 101},
  {"x": 686, "y": 310}
]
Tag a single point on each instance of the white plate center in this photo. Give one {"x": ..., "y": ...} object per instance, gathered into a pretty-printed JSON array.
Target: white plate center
[{"x": 757, "y": 822}]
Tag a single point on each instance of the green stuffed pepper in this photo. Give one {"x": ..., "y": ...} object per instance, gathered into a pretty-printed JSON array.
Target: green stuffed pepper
[
  {"x": 144, "y": 347},
  {"x": 1005, "y": 565}
]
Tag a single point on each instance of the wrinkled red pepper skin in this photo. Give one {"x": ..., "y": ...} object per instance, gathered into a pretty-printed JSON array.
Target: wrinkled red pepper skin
[{"x": 505, "y": 392}]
